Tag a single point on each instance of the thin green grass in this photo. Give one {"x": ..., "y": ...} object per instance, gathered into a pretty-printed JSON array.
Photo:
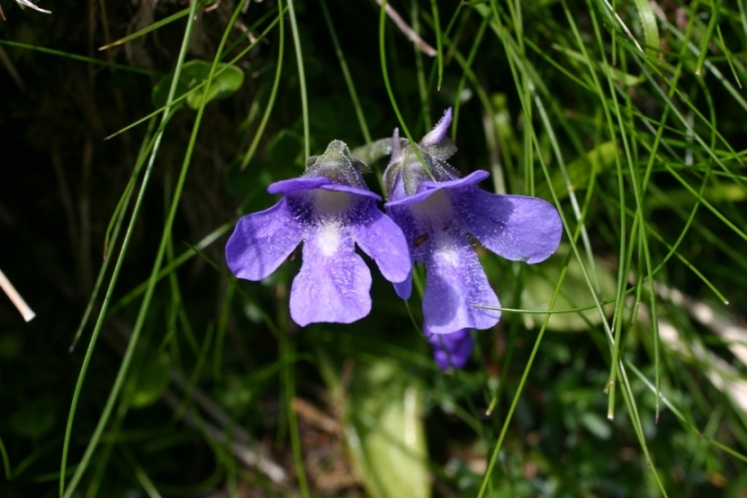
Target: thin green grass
[
  {"x": 273, "y": 93},
  {"x": 388, "y": 85},
  {"x": 66, "y": 492},
  {"x": 114, "y": 393},
  {"x": 624, "y": 116},
  {"x": 301, "y": 79},
  {"x": 346, "y": 74},
  {"x": 81, "y": 58}
]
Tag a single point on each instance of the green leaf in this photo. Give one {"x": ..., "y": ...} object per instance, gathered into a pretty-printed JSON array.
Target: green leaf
[
  {"x": 539, "y": 287},
  {"x": 596, "y": 160},
  {"x": 716, "y": 194},
  {"x": 650, "y": 28},
  {"x": 616, "y": 75},
  {"x": 285, "y": 148},
  {"x": 34, "y": 420},
  {"x": 250, "y": 180},
  {"x": 11, "y": 346},
  {"x": 596, "y": 424},
  {"x": 193, "y": 73},
  {"x": 384, "y": 431},
  {"x": 152, "y": 379}
]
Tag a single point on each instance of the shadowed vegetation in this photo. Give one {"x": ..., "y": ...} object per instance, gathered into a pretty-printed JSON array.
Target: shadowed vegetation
[{"x": 133, "y": 135}]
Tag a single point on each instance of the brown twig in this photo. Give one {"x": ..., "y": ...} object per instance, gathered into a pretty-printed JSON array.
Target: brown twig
[
  {"x": 33, "y": 6},
  {"x": 9, "y": 64},
  {"x": 227, "y": 431},
  {"x": 244, "y": 454},
  {"x": 315, "y": 416},
  {"x": 408, "y": 31},
  {"x": 16, "y": 298}
]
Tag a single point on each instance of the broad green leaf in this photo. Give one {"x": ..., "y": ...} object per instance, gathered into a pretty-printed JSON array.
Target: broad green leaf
[
  {"x": 595, "y": 424},
  {"x": 152, "y": 379},
  {"x": 224, "y": 85},
  {"x": 579, "y": 171},
  {"x": 384, "y": 431},
  {"x": 250, "y": 180},
  {"x": 682, "y": 197},
  {"x": 285, "y": 148},
  {"x": 649, "y": 26},
  {"x": 504, "y": 125},
  {"x": 193, "y": 73},
  {"x": 616, "y": 75},
  {"x": 11, "y": 346},
  {"x": 34, "y": 420},
  {"x": 539, "y": 286}
]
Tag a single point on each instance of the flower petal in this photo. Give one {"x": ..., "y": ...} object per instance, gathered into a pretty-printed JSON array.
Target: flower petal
[
  {"x": 455, "y": 285},
  {"x": 261, "y": 242},
  {"x": 334, "y": 282},
  {"x": 318, "y": 182},
  {"x": 515, "y": 227},
  {"x": 296, "y": 184},
  {"x": 351, "y": 190},
  {"x": 439, "y": 131},
  {"x": 451, "y": 350},
  {"x": 433, "y": 187},
  {"x": 404, "y": 289},
  {"x": 379, "y": 237}
]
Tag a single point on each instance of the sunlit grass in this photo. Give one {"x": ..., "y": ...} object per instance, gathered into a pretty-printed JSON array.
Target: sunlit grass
[{"x": 627, "y": 117}]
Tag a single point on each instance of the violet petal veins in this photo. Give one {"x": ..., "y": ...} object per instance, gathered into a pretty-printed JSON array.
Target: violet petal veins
[
  {"x": 440, "y": 213},
  {"x": 330, "y": 209}
]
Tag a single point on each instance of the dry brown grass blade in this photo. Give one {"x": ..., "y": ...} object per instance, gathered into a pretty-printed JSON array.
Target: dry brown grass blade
[
  {"x": 9, "y": 65},
  {"x": 16, "y": 298},
  {"x": 408, "y": 31},
  {"x": 31, "y": 5}
]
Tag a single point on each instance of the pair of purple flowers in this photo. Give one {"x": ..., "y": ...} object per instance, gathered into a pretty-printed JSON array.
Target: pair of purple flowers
[{"x": 432, "y": 216}]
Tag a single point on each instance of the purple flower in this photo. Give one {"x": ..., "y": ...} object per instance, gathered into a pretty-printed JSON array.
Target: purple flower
[
  {"x": 330, "y": 209},
  {"x": 451, "y": 350},
  {"x": 440, "y": 213}
]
